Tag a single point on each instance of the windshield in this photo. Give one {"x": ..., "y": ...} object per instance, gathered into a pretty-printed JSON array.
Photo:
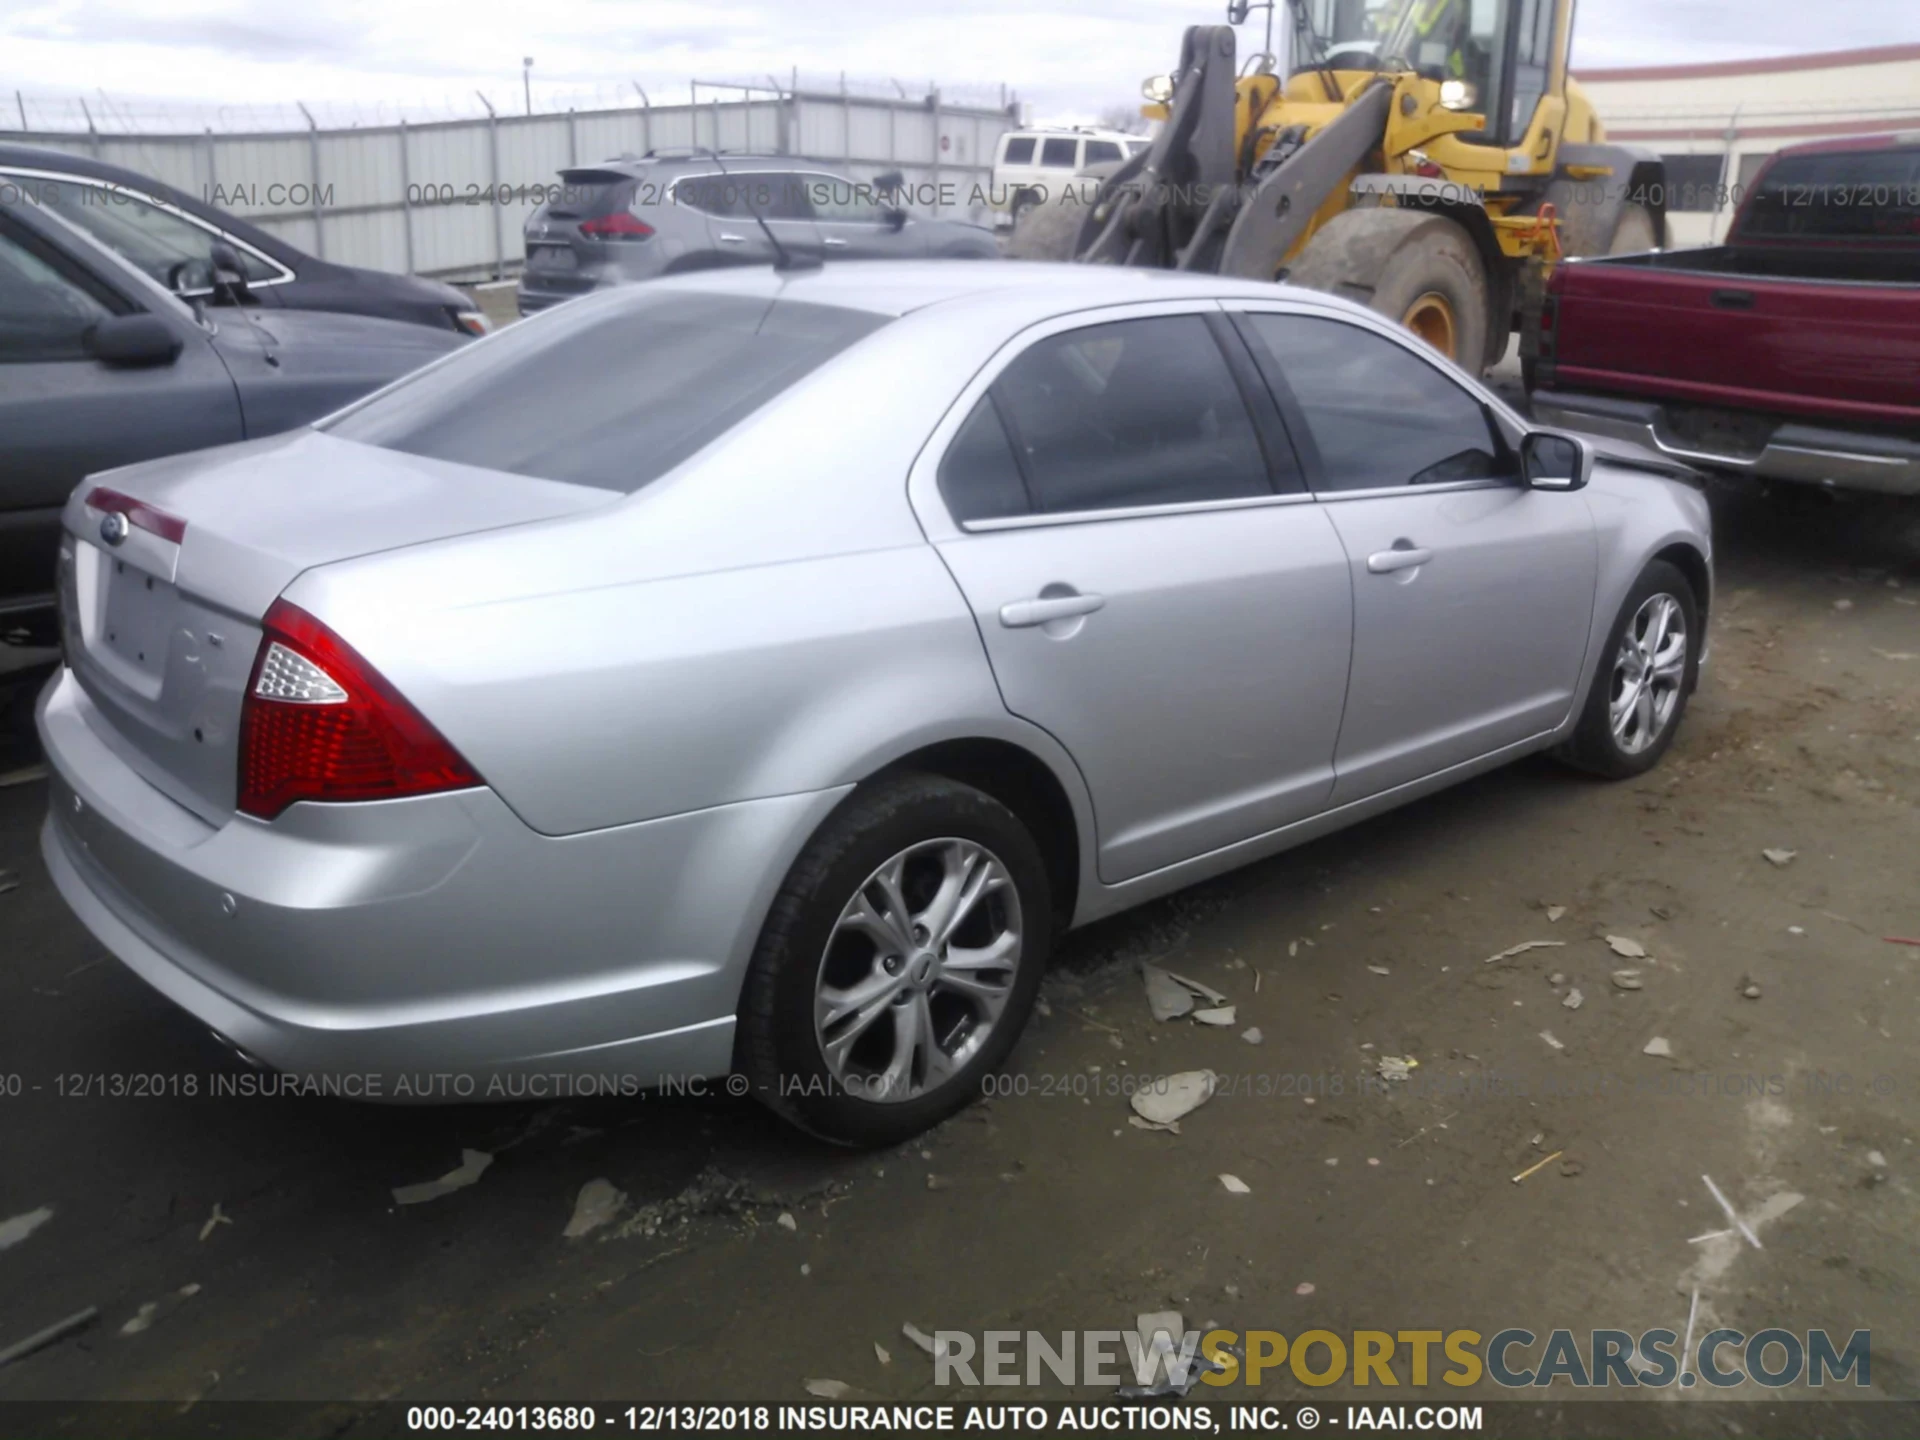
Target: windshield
[
  {"x": 611, "y": 391},
  {"x": 1863, "y": 195},
  {"x": 1368, "y": 34}
]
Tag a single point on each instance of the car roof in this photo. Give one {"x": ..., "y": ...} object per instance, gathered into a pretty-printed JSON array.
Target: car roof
[
  {"x": 1853, "y": 144},
  {"x": 653, "y": 160},
  {"x": 900, "y": 287}
]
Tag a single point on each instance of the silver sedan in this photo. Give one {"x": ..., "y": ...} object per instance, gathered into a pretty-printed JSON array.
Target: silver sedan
[{"x": 752, "y": 675}]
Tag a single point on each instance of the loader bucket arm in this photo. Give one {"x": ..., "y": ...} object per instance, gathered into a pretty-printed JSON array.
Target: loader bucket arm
[
  {"x": 1146, "y": 212},
  {"x": 1277, "y": 214}
]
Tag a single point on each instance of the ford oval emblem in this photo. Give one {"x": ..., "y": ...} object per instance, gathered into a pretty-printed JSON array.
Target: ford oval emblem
[{"x": 114, "y": 527}]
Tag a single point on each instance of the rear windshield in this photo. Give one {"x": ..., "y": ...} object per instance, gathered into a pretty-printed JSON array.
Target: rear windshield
[
  {"x": 611, "y": 392},
  {"x": 1849, "y": 195}
]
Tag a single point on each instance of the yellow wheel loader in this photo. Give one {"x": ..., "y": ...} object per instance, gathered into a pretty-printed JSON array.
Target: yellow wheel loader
[{"x": 1428, "y": 158}]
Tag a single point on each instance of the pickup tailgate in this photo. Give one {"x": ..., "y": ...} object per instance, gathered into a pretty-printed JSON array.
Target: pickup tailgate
[{"x": 1816, "y": 349}]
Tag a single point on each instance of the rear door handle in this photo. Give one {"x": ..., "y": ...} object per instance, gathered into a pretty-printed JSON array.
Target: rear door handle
[
  {"x": 1733, "y": 299},
  {"x": 730, "y": 239},
  {"x": 1385, "y": 562},
  {"x": 834, "y": 242},
  {"x": 1024, "y": 614}
]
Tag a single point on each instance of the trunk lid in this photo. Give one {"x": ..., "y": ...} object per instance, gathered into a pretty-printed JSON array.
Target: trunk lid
[
  {"x": 166, "y": 569},
  {"x": 558, "y": 250}
]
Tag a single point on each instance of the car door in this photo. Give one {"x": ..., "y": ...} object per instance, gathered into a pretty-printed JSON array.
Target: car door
[
  {"x": 853, "y": 222},
  {"x": 65, "y": 414},
  {"x": 731, "y": 201},
  {"x": 1472, "y": 594},
  {"x": 1154, "y": 586}
]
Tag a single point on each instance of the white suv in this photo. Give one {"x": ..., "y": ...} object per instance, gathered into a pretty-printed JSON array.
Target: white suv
[{"x": 1032, "y": 166}]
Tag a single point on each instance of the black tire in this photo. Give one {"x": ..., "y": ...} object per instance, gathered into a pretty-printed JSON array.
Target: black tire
[
  {"x": 1594, "y": 747},
  {"x": 1392, "y": 260},
  {"x": 779, "y": 1050}
]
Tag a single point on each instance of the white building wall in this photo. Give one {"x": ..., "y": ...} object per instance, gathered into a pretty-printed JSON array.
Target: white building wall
[{"x": 1734, "y": 115}]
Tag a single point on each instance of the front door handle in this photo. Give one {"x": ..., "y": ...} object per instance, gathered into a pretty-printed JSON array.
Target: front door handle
[
  {"x": 1733, "y": 299},
  {"x": 834, "y": 242},
  {"x": 727, "y": 238},
  {"x": 1024, "y": 614},
  {"x": 1386, "y": 562}
]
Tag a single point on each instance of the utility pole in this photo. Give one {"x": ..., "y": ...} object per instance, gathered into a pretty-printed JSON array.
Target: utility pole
[{"x": 526, "y": 81}]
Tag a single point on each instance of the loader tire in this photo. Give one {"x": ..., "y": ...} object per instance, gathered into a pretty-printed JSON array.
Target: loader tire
[{"x": 1423, "y": 271}]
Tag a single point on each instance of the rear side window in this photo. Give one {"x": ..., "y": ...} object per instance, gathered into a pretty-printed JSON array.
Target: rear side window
[
  {"x": 47, "y": 313},
  {"x": 1101, "y": 151},
  {"x": 1140, "y": 412},
  {"x": 139, "y": 231},
  {"x": 979, "y": 478},
  {"x": 1378, "y": 415},
  {"x": 1059, "y": 153},
  {"x": 608, "y": 394},
  {"x": 1019, "y": 151},
  {"x": 777, "y": 195},
  {"x": 1862, "y": 195}
]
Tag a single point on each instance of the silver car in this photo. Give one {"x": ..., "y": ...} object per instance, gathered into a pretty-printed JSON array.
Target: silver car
[
  {"x": 752, "y": 674},
  {"x": 671, "y": 211}
]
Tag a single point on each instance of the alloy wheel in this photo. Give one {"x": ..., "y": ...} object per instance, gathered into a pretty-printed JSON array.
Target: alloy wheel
[{"x": 1648, "y": 674}]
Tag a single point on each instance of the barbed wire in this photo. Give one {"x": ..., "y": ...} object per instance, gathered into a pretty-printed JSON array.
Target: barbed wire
[{"x": 109, "y": 114}]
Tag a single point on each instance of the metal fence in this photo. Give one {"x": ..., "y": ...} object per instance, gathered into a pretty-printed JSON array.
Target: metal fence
[{"x": 450, "y": 198}]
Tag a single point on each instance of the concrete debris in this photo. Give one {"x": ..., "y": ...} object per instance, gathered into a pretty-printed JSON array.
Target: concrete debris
[
  {"x": 1379, "y": 970},
  {"x": 13, "y": 1231},
  {"x": 1574, "y": 999},
  {"x": 1876, "y": 1160},
  {"x": 1206, "y": 992},
  {"x": 1626, "y": 947},
  {"x": 1657, "y": 1047},
  {"x": 1305, "y": 1287},
  {"x": 596, "y": 1204},
  {"x": 1554, "y": 913},
  {"x": 142, "y": 1318},
  {"x": 1524, "y": 946},
  {"x": 918, "y": 1336},
  {"x": 1395, "y": 1069},
  {"x": 1175, "y": 1096},
  {"x": 787, "y": 1222},
  {"x": 829, "y": 1389},
  {"x": 1628, "y": 980},
  {"x": 1234, "y": 1185},
  {"x": 40, "y": 1339},
  {"x": 1222, "y": 1015},
  {"x": 214, "y": 1221},
  {"x": 1548, "y": 1036},
  {"x": 1160, "y": 1358},
  {"x": 1780, "y": 859},
  {"x": 1749, "y": 987},
  {"x": 1252, "y": 1035},
  {"x": 1172, "y": 1127},
  {"x": 473, "y": 1164},
  {"x": 880, "y": 1353},
  {"x": 1166, "y": 997},
  {"x": 1556, "y": 978}
]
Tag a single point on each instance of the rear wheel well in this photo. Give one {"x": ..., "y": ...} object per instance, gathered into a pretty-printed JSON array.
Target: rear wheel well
[{"x": 1023, "y": 783}]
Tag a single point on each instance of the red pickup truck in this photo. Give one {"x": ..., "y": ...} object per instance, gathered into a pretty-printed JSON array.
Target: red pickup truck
[{"x": 1792, "y": 352}]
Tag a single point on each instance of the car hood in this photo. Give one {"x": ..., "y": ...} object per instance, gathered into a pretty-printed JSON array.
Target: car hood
[{"x": 332, "y": 328}]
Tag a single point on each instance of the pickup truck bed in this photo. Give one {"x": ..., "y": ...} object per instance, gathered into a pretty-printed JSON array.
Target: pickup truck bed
[{"x": 1790, "y": 353}]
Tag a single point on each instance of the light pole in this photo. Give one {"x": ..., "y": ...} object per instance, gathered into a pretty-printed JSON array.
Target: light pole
[{"x": 526, "y": 81}]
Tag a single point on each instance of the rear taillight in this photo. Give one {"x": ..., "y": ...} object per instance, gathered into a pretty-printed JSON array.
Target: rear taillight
[
  {"x": 620, "y": 225},
  {"x": 320, "y": 723}
]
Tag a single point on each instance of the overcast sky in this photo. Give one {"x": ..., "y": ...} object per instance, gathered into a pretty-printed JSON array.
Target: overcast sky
[{"x": 1071, "y": 58}]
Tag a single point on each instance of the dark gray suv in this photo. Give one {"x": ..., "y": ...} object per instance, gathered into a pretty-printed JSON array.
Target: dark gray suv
[{"x": 635, "y": 218}]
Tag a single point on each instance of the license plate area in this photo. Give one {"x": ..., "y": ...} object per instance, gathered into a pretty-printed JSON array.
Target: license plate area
[
  {"x": 134, "y": 624},
  {"x": 552, "y": 257}
]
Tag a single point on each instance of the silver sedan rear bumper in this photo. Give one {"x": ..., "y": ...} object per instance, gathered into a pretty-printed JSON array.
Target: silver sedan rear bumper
[
  {"x": 1801, "y": 454},
  {"x": 436, "y": 936}
]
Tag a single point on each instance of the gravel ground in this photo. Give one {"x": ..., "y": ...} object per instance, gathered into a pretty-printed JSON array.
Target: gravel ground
[{"x": 1047, "y": 1210}]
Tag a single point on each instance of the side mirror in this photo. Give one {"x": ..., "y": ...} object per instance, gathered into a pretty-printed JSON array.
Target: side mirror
[
  {"x": 889, "y": 182},
  {"x": 1237, "y": 11},
  {"x": 229, "y": 275},
  {"x": 133, "y": 341},
  {"x": 895, "y": 217},
  {"x": 187, "y": 276},
  {"x": 1555, "y": 462}
]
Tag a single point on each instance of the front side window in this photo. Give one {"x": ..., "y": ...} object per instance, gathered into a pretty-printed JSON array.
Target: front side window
[
  {"x": 173, "y": 250},
  {"x": 613, "y": 393},
  {"x": 1377, "y": 414},
  {"x": 840, "y": 200},
  {"x": 44, "y": 314},
  {"x": 1059, "y": 153},
  {"x": 738, "y": 195},
  {"x": 1019, "y": 151},
  {"x": 1101, "y": 152},
  {"x": 979, "y": 476},
  {"x": 1138, "y": 412}
]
